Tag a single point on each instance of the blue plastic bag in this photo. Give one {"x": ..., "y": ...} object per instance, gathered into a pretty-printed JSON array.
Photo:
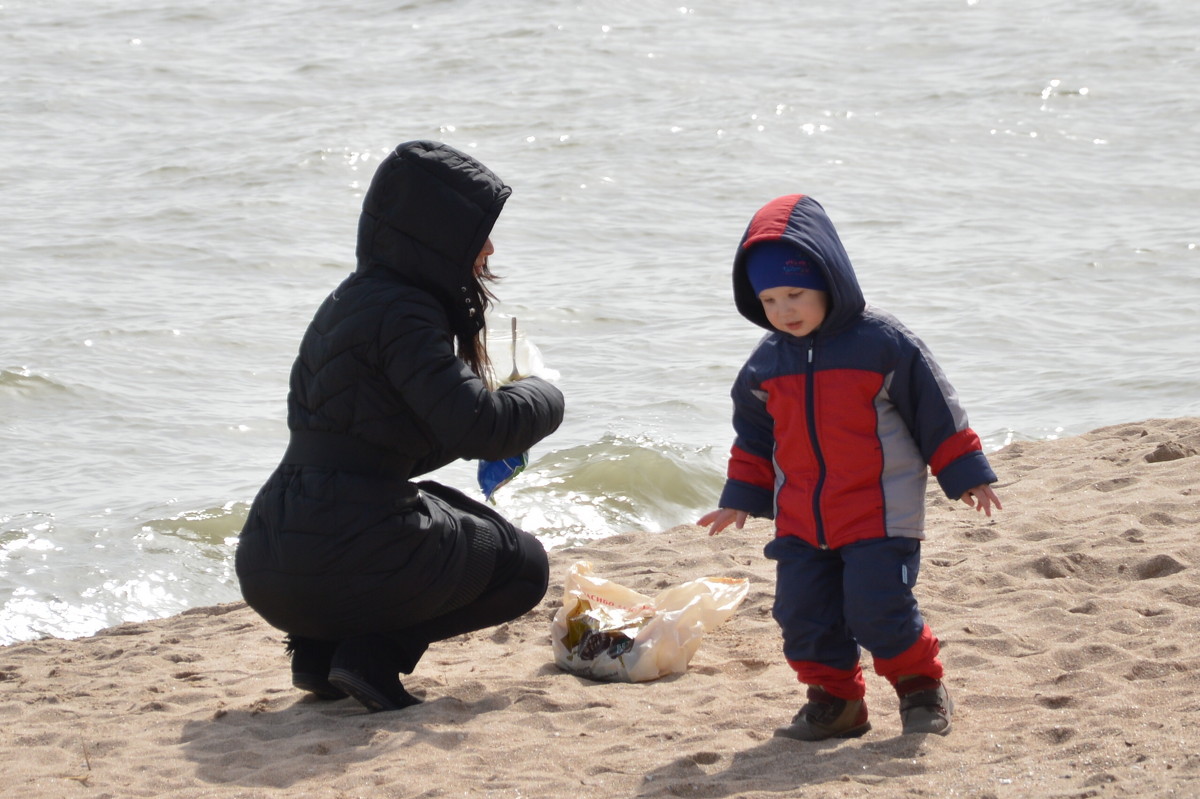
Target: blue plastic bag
[{"x": 494, "y": 474}]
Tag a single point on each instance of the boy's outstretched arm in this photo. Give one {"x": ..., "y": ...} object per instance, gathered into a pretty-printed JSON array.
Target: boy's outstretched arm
[
  {"x": 981, "y": 497},
  {"x": 719, "y": 519}
]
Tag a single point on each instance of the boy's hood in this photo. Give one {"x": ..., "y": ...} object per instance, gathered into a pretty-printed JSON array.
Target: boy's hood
[{"x": 801, "y": 221}]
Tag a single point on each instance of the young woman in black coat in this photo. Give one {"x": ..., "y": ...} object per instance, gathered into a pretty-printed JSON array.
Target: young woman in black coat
[{"x": 342, "y": 550}]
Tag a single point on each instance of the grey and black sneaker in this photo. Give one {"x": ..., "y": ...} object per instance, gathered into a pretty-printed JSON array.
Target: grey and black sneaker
[
  {"x": 827, "y": 716},
  {"x": 925, "y": 706}
]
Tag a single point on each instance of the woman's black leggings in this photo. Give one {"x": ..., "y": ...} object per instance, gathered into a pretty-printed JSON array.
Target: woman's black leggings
[{"x": 518, "y": 583}]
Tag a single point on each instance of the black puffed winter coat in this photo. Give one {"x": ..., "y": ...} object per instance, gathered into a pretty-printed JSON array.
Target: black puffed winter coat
[{"x": 340, "y": 541}]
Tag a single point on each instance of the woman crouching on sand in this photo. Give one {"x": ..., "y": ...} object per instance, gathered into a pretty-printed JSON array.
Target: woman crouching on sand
[{"x": 362, "y": 567}]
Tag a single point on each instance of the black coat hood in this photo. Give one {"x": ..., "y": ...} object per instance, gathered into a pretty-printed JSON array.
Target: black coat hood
[{"x": 425, "y": 218}]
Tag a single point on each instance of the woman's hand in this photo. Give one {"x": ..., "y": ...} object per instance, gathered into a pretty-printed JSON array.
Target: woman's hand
[{"x": 719, "y": 519}]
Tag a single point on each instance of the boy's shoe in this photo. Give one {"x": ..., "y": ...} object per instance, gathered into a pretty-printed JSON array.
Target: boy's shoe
[
  {"x": 363, "y": 669},
  {"x": 310, "y": 666},
  {"x": 925, "y": 706},
  {"x": 827, "y": 716}
]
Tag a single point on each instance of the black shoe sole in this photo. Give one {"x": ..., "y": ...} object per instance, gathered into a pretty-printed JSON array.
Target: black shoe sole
[
  {"x": 317, "y": 686},
  {"x": 367, "y": 695}
]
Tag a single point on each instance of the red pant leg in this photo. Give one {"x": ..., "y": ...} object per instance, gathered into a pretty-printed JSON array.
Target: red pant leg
[
  {"x": 920, "y": 658},
  {"x": 842, "y": 683}
]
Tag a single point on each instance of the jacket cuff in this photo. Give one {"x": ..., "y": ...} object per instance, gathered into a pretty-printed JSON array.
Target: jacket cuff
[
  {"x": 752, "y": 499},
  {"x": 966, "y": 472}
]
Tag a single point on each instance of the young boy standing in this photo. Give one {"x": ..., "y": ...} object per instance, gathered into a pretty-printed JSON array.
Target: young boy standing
[{"x": 839, "y": 413}]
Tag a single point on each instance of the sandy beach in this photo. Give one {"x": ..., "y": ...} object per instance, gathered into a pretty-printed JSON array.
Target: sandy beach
[{"x": 1068, "y": 622}]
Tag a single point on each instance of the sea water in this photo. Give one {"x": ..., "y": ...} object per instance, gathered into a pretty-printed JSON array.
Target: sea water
[{"x": 1018, "y": 181}]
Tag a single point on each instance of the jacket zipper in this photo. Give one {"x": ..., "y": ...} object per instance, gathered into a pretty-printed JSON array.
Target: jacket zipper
[{"x": 810, "y": 413}]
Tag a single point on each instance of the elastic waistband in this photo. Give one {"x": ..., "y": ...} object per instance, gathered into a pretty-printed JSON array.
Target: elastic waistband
[{"x": 345, "y": 453}]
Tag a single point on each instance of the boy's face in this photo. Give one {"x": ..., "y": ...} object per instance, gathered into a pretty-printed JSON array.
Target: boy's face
[{"x": 794, "y": 310}]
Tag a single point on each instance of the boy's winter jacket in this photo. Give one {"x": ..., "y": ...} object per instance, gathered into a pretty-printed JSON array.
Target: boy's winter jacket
[{"x": 835, "y": 430}]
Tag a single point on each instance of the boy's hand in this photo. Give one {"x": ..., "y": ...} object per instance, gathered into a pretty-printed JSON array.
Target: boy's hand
[
  {"x": 982, "y": 497},
  {"x": 718, "y": 520}
]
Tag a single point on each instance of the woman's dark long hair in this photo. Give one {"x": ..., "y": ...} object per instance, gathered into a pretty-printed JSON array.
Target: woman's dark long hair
[{"x": 473, "y": 348}]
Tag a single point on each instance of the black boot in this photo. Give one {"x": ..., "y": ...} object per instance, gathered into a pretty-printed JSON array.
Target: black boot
[
  {"x": 368, "y": 668},
  {"x": 310, "y": 666}
]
